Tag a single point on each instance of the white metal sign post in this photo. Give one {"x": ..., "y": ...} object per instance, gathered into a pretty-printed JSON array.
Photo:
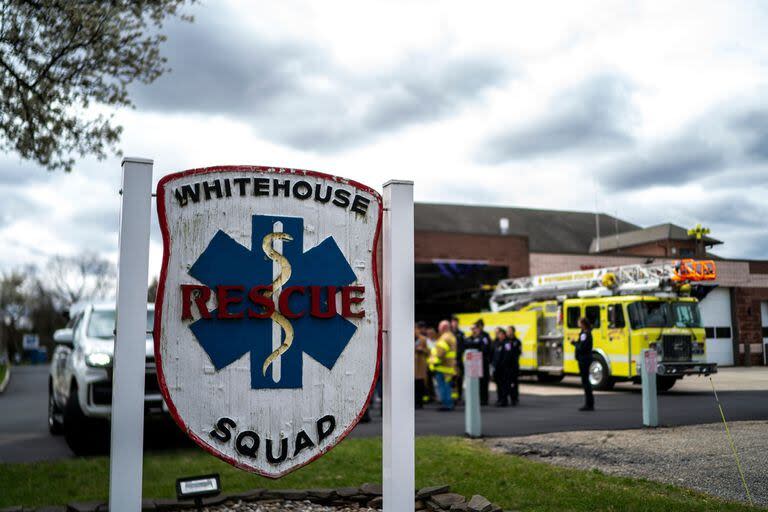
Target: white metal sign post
[
  {"x": 648, "y": 378},
  {"x": 399, "y": 427},
  {"x": 127, "y": 443}
]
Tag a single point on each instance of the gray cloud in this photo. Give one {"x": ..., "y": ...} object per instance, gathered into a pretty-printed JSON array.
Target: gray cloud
[
  {"x": 13, "y": 205},
  {"x": 18, "y": 173},
  {"x": 295, "y": 94},
  {"x": 595, "y": 115},
  {"x": 673, "y": 163},
  {"x": 215, "y": 69},
  {"x": 725, "y": 147},
  {"x": 95, "y": 228},
  {"x": 754, "y": 124},
  {"x": 727, "y": 211}
]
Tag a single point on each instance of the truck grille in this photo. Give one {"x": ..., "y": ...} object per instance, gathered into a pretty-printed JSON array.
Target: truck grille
[{"x": 676, "y": 347}]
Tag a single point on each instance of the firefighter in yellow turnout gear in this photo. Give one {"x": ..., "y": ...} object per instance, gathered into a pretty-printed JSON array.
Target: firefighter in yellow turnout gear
[{"x": 442, "y": 362}]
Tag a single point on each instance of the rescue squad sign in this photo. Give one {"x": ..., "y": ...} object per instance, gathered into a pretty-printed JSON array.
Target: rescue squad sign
[{"x": 267, "y": 325}]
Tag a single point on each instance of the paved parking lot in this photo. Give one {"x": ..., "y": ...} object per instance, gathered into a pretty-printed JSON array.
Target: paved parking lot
[{"x": 543, "y": 409}]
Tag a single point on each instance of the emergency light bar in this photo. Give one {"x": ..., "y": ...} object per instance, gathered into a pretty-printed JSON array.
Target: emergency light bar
[{"x": 692, "y": 270}]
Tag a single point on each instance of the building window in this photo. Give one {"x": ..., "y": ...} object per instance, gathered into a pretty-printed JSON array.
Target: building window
[
  {"x": 722, "y": 332},
  {"x": 709, "y": 332},
  {"x": 765, "y": 332}
]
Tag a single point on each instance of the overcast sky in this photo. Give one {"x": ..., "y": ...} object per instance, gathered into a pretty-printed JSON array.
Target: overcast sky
[{"x": 652, "y": 111}]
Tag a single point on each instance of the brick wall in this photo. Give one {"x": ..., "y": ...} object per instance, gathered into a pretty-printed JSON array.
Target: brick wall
[
  {"x": 748, "y": 324},
  {"x": 507, "y": 251}
]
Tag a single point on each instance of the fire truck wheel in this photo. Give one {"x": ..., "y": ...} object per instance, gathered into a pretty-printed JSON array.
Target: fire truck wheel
[
  {"x": 665, "y": 383},
  {"x": 599, "y": 375}
]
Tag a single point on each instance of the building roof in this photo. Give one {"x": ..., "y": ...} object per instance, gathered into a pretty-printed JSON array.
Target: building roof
[
  {"x": 551, "y": 231},
  {"x": 644, "y": 236}
]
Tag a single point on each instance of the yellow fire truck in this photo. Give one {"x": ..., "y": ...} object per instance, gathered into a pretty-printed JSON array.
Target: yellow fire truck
[{"x": 631, "y": 308}]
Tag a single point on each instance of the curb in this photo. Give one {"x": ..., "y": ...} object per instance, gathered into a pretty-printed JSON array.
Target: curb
[
  {"x": 437, "y": 498},
  {"x": 6, "y": 380}
]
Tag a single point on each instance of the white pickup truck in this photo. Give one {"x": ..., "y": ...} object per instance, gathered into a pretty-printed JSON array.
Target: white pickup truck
[{"x": 80, "y": 382}]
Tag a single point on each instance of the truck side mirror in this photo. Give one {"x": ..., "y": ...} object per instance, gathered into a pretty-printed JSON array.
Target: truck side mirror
[{"x": 63, "y": 337}]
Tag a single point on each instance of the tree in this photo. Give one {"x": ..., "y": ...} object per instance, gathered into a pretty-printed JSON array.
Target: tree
[
  {"x": 71, "y": 279},
  {"x": 43, "y": 314},
  {"x": 57, "y": 58},
  {"x": 12, "y": 309}
]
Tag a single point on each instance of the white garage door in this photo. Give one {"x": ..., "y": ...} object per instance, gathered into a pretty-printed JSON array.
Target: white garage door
[{"x": 716, "y": 315}]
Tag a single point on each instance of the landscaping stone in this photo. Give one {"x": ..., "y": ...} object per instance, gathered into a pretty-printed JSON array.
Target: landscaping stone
[
  {"x": 147, "y": 505},
  {"x": 479, "y": 504},
  {"x": 426, "y": 492},
  {"x": 374, "y": 489},
  {"x": 85, "y": 506},
  {"x": 346, "y": 492},
  {"x": 322, "y": 494},
  {"x": 446, "y": 500},
  {"x": 251, "y": 495},
  {"x": 366, "y": 498}
]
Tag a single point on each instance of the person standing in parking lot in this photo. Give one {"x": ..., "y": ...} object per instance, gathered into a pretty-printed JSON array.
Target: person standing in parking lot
[
  {"x": 442, "y": 361},
  {"x": 583, "y": 355},
  {"x": 420, "y": 354},
  {"x": 459, "y": 380},
  {"x": 502, "y": 367},
  {"x": 517, "y": 350},
  {"x": 479, "y": 340}
]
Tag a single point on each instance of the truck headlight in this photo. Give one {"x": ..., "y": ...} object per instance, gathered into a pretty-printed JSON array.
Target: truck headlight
[{"x": 98, "y": 359}]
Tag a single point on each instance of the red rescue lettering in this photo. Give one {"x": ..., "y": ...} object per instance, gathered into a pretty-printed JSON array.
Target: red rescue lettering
[
  {"x": 260, "y": 304},
  {"x": 347, "y": 300},
  {"x": 200, "y": 294}
]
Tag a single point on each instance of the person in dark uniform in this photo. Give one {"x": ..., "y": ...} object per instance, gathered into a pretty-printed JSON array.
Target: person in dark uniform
[
  {"x": 517, "y": 350},
  {"x": 459, "y": 380},
  {"x": 502, "y": 367},
  {"x": 584, "y": 358},
  {"x": 479, "y": 340}
]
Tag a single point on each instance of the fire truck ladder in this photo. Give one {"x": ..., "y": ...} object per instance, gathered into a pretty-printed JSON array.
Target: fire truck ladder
[{"x": 657, "y": 278}]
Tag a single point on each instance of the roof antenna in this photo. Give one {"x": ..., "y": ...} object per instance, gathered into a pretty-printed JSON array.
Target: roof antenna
[{"x": 597, "y": 217}]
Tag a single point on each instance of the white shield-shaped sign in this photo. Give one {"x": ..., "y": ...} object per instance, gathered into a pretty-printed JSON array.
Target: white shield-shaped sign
[{"x": 267, "y": 329}]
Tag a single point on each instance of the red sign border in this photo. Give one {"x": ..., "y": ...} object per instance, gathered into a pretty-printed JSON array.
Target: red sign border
[{"x": 161, "y": 213}]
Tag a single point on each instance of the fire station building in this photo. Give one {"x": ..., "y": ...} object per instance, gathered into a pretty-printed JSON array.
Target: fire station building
[{"x": 462, "y": 251}]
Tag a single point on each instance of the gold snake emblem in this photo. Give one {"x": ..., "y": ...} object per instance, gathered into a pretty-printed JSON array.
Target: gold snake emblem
[{"x": 285, "y": 274}]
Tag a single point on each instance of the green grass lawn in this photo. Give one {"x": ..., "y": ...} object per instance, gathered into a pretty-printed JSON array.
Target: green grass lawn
[{"x": 470, "y": 468}]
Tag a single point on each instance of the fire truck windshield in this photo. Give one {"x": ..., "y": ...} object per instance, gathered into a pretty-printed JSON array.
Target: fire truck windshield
[
  {"x": 686, "y": 314},
  {"x": 664, "y": 314}
]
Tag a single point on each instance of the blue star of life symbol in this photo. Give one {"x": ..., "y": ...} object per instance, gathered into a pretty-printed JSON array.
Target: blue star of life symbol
[{"x": 225, "y": 261}]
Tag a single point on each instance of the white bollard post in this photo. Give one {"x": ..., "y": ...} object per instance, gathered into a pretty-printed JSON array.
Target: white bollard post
[
  {"x": 127, "y": 443},
  {"x": 650, "y": 399},
  {"x": 399, "y": 466},
  {"x": 473, "y": 371}
]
